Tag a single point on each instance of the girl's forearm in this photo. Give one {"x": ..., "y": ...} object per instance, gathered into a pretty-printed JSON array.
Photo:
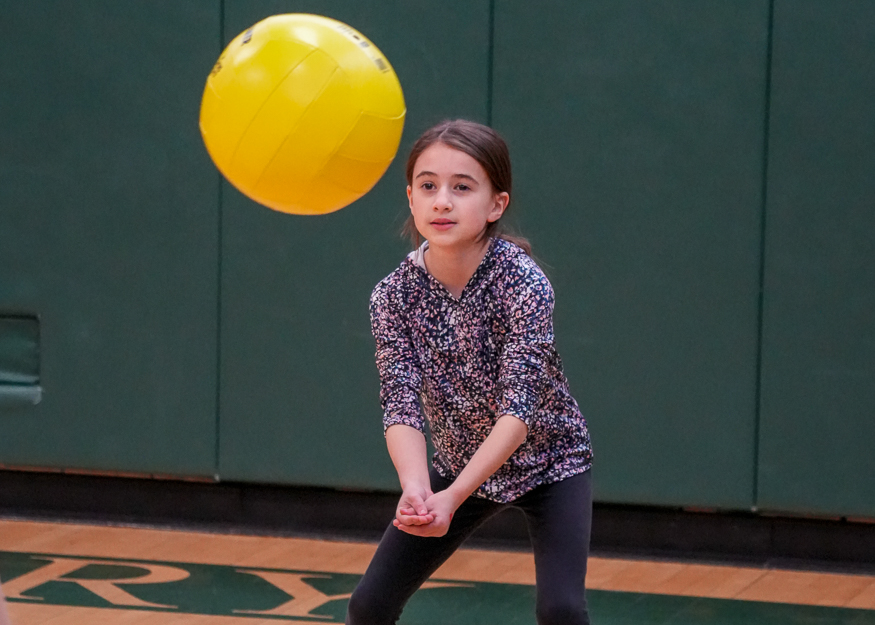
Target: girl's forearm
[
  {"x": 409, "y": 455},
  {"x": 507, "y": 435}
]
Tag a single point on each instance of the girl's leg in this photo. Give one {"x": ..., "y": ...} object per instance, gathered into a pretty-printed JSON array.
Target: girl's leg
[
  {"x": 403, "y": 562},
  {"x": 559, "y": 517},
  {"x": 4, "y": 617}
]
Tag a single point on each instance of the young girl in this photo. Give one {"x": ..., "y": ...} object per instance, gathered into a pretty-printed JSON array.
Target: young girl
[{"x": 464, "y": 334}]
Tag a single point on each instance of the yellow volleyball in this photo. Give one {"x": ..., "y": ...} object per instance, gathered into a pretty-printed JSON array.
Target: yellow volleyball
[{"x": 302, "y": 113}]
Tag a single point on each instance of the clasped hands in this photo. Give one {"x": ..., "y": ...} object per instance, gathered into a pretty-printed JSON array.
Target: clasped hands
[{"x": 421, "y": 512}]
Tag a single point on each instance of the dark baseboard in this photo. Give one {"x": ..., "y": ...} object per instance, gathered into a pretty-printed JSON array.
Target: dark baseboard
[{"x": 621, "y": 530}]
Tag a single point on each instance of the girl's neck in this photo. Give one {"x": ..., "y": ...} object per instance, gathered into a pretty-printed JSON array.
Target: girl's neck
[{"x": 453, "y": 267}]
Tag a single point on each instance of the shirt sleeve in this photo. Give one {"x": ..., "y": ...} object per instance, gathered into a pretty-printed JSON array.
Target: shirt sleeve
[
  {"x": 400, "y": 377},
  {"x": 528, "y": 350}
]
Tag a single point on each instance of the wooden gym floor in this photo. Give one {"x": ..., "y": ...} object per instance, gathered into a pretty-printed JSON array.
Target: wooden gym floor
[{"x": 72, "y": 574}]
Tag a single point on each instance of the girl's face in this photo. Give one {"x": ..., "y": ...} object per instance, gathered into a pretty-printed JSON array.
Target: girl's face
[{"x": 451, "y": 198}]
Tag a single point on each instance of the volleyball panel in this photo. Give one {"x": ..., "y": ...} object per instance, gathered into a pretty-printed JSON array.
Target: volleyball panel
[
  {"x": 281, "y": 113},
  {"x": 318, "y": 199},
  {"x": 306, "y": 150},
  {"x": 244, "y": 78},
  {"x": 378, "y": 91},
  {"x": 373, "y": 138},
  {"x": 352, "y": 174}
]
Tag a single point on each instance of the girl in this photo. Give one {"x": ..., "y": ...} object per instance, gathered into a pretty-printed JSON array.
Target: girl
[{"x": 464, "y": 335}]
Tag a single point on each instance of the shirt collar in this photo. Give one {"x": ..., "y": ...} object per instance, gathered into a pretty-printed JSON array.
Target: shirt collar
[{"x": 417, "y": 259}]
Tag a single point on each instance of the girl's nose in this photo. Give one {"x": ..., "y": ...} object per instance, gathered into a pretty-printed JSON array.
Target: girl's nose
[{"x": 442, "y": 199}]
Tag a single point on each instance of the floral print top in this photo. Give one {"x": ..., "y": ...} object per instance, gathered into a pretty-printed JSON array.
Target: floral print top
[{"x": 462, "y": 363}]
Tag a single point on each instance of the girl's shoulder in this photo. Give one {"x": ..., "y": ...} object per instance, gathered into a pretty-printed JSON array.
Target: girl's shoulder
[
  {"x": 400, "y": 287},
  {"x": 514, "y": 267}
]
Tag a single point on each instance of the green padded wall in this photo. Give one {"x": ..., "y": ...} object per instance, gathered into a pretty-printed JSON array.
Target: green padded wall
[
  {"x": 299, "y": 389},
  {"x": 637, "y": 132},
  {"x": 818, "y": 384},
  {"x": 165, "y": 324},
  {"x": 19, "y": 361},
  {"x": 108, "y": 232}
]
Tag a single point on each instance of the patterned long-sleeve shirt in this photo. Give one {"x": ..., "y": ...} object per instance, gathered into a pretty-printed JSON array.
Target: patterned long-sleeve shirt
[{"x": 463, "y": 363}]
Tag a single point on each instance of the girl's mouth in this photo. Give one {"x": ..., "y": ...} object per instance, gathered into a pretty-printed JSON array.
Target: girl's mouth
[{"x": 442, "y": 224}]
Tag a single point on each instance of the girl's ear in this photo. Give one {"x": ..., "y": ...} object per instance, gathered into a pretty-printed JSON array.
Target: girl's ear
[
  {"x": 409, "y": 198},
  {"x": 501, "y": 201}
]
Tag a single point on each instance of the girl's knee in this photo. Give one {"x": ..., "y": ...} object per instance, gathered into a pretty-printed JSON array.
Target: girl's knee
[
  {"x": 366, "y": 609},
  {"x": 568, "y": 612}
]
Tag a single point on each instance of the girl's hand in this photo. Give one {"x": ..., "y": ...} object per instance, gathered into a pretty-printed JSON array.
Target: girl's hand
[
  {"x": 441, "y": 507},
  {"x": 411, "y": 510}
]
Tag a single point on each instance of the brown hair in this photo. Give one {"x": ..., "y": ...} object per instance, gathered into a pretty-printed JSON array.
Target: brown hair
[{"x": 482, "y": 144}]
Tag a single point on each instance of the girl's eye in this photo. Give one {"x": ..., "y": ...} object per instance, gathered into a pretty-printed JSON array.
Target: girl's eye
[
  {"x": 428, "y": 186},
  {"x": 462, "y": 187}
]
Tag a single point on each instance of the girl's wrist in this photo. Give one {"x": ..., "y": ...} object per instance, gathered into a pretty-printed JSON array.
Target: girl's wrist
[
  {"x": 458, "y": 494},
  {"x": 415, "y": 485}
]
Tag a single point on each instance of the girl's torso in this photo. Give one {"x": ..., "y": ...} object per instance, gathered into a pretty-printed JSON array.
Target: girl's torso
[{"x": 488, "y": 353}]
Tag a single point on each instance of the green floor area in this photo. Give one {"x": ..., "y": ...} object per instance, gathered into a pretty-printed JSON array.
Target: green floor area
[
  {"x": 504, "y": 604},
  {"x": 320, "y": 597}
]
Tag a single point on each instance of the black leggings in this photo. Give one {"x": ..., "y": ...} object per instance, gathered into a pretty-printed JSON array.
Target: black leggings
[{"x": 558, "y": 517}]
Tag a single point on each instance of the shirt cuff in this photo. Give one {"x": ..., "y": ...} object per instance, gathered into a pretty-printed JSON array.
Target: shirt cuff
[
  {"x": 414, "y": 422},
  {"x": 519, "y": 402}
]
